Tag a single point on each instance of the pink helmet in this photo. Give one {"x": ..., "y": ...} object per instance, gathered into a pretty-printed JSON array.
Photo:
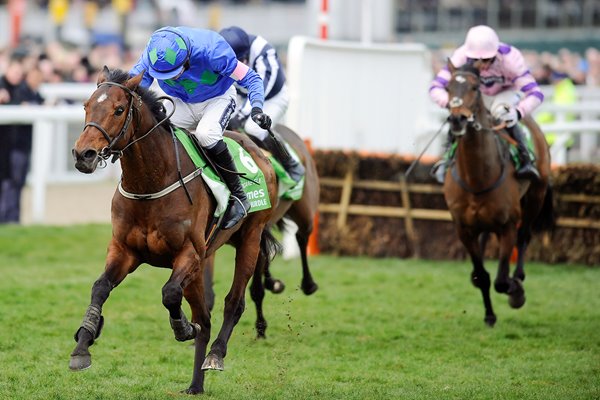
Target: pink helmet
[{"x": 481, "y": 42}]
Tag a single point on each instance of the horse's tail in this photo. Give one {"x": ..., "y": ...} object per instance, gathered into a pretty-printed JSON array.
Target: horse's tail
[
  {"x": 269, "y": 246},
  {"x": 546, "y": 219}
]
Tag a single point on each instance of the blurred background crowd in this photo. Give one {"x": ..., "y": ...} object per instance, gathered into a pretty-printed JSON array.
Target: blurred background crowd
[
  {"x": 69, "y": 41},
  {"x": 74, "y": 54}
]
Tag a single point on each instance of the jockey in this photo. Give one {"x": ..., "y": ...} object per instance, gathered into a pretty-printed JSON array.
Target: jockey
[
  {"x": 260, "y": 55},
  {"x": 197, "y": 68},
  {"x": 509, "y": 90}
]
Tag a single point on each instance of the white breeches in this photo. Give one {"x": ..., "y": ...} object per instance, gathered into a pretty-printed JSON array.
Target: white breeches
[{"x": 207, "y": 120}]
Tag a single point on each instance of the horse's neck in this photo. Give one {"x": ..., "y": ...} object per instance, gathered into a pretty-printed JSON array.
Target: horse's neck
[
  {"x": 149, "y": 165},
  {"x": 478, "y": 157}
]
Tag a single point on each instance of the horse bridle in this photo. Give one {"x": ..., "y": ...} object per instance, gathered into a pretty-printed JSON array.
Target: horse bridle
[
  {"x": 135, "y": 102},
  {"x": 457, "y": 102}
]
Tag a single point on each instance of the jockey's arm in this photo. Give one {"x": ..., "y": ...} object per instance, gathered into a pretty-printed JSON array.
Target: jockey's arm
[{"x": 524, "y": 82}]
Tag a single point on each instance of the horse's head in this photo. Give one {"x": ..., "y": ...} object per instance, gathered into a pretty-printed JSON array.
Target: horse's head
[
  {"x": 108, "y": 117},
  {"x": 464, "y": 98}
]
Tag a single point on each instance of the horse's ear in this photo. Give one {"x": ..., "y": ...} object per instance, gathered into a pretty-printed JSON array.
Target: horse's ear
[
  {"x": 451, "y": 66},
  {"x": 134, "y": 82},
  {"x": 103, "y": 75}
]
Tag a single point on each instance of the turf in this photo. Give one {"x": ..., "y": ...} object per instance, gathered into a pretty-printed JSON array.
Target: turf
[{"x": 377, "y": 328}]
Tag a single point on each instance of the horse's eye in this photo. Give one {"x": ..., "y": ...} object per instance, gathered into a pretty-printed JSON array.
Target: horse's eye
[{"x": 119, "y": 111}]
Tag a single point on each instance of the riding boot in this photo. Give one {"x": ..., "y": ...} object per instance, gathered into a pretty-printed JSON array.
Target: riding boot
[
  {"x": 238, "y": 202},
  {"x": 439, "y": 168},
  {"x": 527, "y": 170},
  {"x": 276, "y": 147}
]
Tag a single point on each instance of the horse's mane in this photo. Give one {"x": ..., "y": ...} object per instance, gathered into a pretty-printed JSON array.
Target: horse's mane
[{"x": 148, "y": 97}]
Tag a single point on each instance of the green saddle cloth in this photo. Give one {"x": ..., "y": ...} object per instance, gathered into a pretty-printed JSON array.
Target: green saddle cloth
[
  {"x": 289, "y": 189},
  {"x": 253, "y": 179}
]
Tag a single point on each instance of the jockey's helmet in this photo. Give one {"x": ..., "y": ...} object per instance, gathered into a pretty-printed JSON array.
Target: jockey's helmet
[
  {"x": 168, "y": 51},
  {"x": 481, "y": 42},
  {"x": 238, "y": 40}
]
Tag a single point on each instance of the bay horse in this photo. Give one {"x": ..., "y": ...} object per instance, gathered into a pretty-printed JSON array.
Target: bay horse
[
  {"x": 483, "y": 194},
  {"x": 302, "y": 212},
  {"x": 128, "y": 122}
]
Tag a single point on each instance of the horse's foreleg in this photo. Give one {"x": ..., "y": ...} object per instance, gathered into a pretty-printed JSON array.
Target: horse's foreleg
[
  {"x": 479, "y": 277},
  {"x": 119, "y": 263},
  {"x": 308, "y": 284},
  {"x": 194, "y": 293},
  {"x": 245, "y": 263},
  {"x": 185, "y": 266}
]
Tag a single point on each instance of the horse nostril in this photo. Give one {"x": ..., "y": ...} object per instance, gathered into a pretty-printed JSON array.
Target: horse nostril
[{"x": 90, "y": 154}]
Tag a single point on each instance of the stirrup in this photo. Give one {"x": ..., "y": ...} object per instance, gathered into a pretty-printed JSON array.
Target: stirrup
[{"x": 231, "y": 219}]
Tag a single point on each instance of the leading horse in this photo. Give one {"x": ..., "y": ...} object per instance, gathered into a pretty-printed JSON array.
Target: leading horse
[
  {"x": 483, "y": 194},
  {"x": 128, "y": 122}
]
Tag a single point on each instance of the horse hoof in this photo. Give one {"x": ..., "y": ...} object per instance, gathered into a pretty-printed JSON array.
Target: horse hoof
[
  {"x": 490, "y": 320},
  {"x": 80, "y": 362},
  {"x": 277, "y": 287},
  {"x": 192, "y": 390},
  {"x": 516, "y": 297},
  {"x": 310, "y": 288},
  {"x": 213, "y": 362}
]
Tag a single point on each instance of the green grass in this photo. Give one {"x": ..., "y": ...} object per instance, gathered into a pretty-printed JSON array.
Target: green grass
[{"x": 376, "y": 329}]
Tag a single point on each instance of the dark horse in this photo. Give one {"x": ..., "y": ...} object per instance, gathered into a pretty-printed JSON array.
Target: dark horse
[
  {"x": 483, "y": 194},
  {"x": 125, "y": 121},
  {"x": 302, "y": 212}
]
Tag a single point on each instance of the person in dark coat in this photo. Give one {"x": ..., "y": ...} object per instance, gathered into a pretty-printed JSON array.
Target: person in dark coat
[{"x": 16, "y": 88}]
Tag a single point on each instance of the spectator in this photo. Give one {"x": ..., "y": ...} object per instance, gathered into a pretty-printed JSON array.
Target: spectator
[
  {"x": 564, "y": 93},
  {"x": 16, "y": 139}
]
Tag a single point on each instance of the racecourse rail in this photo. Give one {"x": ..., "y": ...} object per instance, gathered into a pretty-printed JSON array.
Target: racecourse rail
[{"x": 51, "y": 158}]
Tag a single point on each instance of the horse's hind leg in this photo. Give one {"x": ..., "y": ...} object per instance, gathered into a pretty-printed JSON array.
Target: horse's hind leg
[
  {"x": 479, "y": 277},
  {"x": 302, "y": 214},
  {"x": 523, "y": 238},
  {"x": 209, "y": 273},
  {"x": 194, "y": 293},
  {"x": 118, "y": 264},
  {"x": 257, "y": 293},
  {"x": 272, "y": 284},
  {"x": 245, "y": 263},
  {"x": 504, "y": 283},
  {"x": 308, "y": 284}
]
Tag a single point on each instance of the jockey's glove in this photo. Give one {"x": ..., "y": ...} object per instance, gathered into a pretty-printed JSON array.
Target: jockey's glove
[
  {"x": 509, "y": 115},
  {"x": 261, "y": 119}
]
